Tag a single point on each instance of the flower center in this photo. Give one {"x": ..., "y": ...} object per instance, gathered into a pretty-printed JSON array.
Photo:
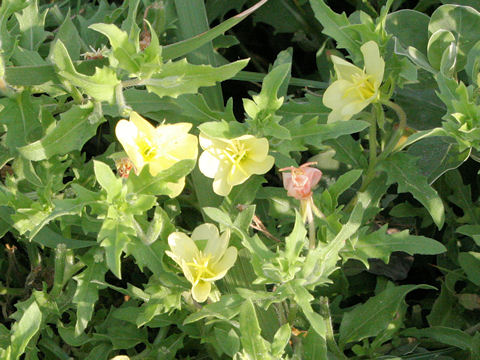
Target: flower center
[
  {"x": 235, "y": 152},
  {"x": 199, "y": 267},
  {"x": 148, "y": 150},
  {"x": 362, "y": 86}
]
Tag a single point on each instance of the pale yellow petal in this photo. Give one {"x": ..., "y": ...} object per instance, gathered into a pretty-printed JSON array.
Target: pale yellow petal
[
  {"x": 159, "y": 164},
  {"x": 208, "y": 142},
  {"x": 182, "y": 246},
  {"x": 227, "y": 261},
  {"x": 187, "y": 148},
  {"x": 374, "y": 64},
  {"x": 176, "y": 187},
  {"x": 187, "y": 272},
  {"x": 217, "y": 245},
  {"x": 238, "y": 174},
  {"x": 201, "y": 290},
  {"x": 344, "y": 69},
  {"x": 334, "y": 97},
  {"x": 142, "y": 125},
  {"x": 257, "y": 148},
  {"x": 354, "y": 108},
  {"x": 258, "y": 167},
  {"x": 172, "y": 130},
  {"x": 126, "y": 133},
  {"x": 336, "y": 115},
  {"x": 208, "y": 164},
  {"x": 221, "y": 186},
  {"x": 205, "y": 232}
]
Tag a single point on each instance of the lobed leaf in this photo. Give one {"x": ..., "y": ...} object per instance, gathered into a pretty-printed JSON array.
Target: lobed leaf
[{"x": 401, "y": 169}]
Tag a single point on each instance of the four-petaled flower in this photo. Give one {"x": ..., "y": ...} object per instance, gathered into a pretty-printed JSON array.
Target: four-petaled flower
[
  {"x": 299, "y": 184},
  {"x": 160, "y": 147},
  {"x": 354, "y": 88},
  {"x": 202, "y": 266},
  {"x": 231, "y": 162}
]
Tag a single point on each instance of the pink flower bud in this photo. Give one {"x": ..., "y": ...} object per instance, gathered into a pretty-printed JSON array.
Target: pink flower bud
[{"x": 300, "y": 181}]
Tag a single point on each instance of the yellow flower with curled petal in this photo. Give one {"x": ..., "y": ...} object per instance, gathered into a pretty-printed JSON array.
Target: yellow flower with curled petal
[
  {"x": 354, "y": 88},
  {"x": 160, "y": 147},
  {"x": 202, "y": 267},
  {"x": 231, "y": 162}
]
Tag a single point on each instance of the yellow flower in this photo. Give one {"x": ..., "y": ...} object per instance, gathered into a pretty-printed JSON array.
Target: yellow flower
[
  {"x": 160, "y": 147},
  {"x": 354, "y": 88},
  {"x": 202, "y": 267},
  {"x": 231, "y": 162}
]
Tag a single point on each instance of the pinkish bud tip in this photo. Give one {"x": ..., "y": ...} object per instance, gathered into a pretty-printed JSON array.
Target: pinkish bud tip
[{"x": 300, "y": 181}]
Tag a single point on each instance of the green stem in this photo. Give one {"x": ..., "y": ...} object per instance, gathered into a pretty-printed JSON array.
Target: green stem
[
  {"x": 331, "y": 343},
  {"x": 11, "y": 291},
  {"x": 312, "y": 236},
  {"x": 402, "y": 117},
  {"x": 372, "y": 144},
  {"x": 60, "y": 256}
]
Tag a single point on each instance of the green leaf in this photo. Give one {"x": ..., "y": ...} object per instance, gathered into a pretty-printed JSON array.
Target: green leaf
[
  {"x": 72, "y": 132},
  {"x": 316, "y": 134},
  {"x": 21, "y": 116},
  {"x": 463, "y": 22},
  {"x": 314, "y": 346},
  {"x": 437, "y": 155},
  {"x": 402, "y": 169},
  {"x": 113, "y": 237},
  {"x": 68, "y": 34},
  {"x": 303, "y": 298},
  {"x": 229, "y": 341},
  {"x": 266, "y": 102},
  {"x": 444, "y": 335},
  {"x": 50, "y": 238},
  {"x": 410, "y": 27},
  {"x": 321, "y": 262},
  {"x": 470, "y": 263},
  {"x": 101, "y": 85},
  {"x": 281, "y": 340},
  {"x": 380, "y": 245},
  {"x": 253, "y": 343},
  {"x": 145, "y": 183},
  {"x": 180, "y": 77},
  {"x": 437, "y": 44},
  {"x": 61, "y": 208},
  {"x": 124, "y": 50},
  {"x": 295, "y": 241},
  {"x": 107, "y": 179},
  {"x": 470, "y": 230},
  {"x": 218, "y": 216},
  {"x": 24, "y": 330},
  {"x": 334, "y": 26},
  {"x": 373, "y": 317},
  {"x": 473, "y": 63},
  {"x": 86, "y": 293},
  {"x": 343, "y": 183},
  {"x": 195, "y": 106},
  {"x": 226, "y": 308},
  {"x": 31, "y": 23},
  {"x": 181, "y": 48},
  {"x": 421, "y": 104},
  {"x": 223, "y": 129}
]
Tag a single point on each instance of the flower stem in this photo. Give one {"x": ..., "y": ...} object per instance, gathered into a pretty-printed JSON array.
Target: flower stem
[
  {"x": 60, "y": 256},
  {"x": 372, "y": 146},
  {"x": 312, "y": 236},
  {"x": 402, "y": 117}
]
